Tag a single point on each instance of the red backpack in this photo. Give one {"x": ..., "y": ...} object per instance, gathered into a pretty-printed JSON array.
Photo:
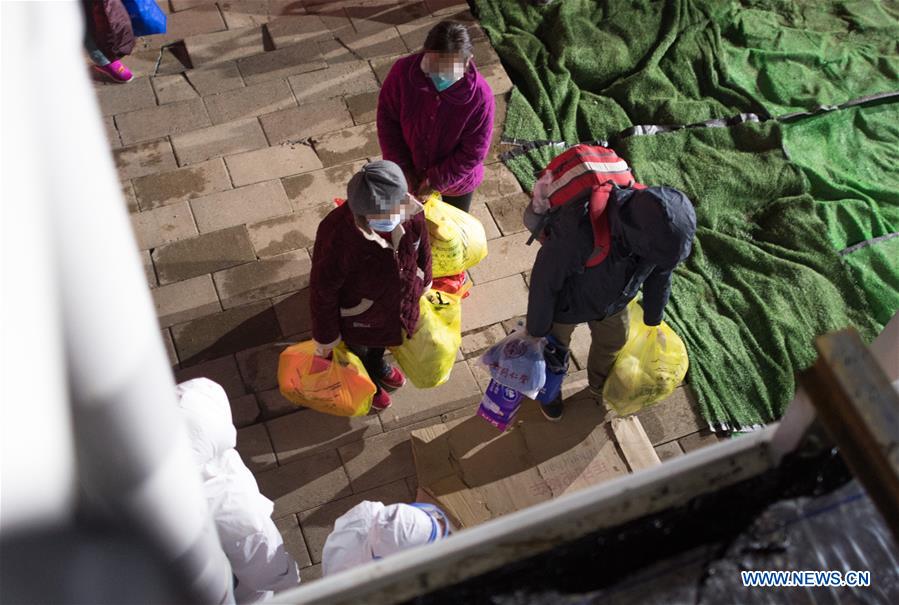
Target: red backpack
[{"x": 588, "y": 171}]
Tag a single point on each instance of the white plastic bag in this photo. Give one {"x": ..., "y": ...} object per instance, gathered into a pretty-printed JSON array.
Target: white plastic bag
[{"x": 517, "y": 362}]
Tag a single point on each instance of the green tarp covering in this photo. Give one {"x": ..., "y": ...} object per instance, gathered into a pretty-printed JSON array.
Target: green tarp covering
[{"x": 776, "y": 202}]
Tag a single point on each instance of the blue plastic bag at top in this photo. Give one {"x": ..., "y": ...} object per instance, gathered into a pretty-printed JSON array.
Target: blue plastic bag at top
[
  {"x": 517, "y": 362},
  {"x": 146, "y": 17}
]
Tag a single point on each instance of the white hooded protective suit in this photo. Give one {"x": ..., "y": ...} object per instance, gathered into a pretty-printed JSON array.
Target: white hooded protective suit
[
  {"x": 242, "y": 515},
  {"x": 371, "y": 531}
]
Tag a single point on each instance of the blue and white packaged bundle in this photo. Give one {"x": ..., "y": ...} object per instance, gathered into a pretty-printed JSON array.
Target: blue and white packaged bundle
[{"x": 517, "y": 362}]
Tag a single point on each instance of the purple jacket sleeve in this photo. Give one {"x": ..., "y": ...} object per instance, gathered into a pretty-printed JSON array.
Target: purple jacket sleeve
[
  {"x": 471, "y": 151},
  {"x": 324, "y": 286},
  {"x": 390, "y": 130}
]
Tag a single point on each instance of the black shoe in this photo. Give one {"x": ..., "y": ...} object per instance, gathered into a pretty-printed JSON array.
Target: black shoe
[{"x": 552, "y": 411}]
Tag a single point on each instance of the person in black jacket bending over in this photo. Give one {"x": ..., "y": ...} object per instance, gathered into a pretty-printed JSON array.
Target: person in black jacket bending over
[{"x": 651, "y": 233}]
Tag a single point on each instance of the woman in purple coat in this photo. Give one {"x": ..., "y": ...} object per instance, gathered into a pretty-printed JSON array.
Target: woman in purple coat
[{"x": 435, "y": 116}]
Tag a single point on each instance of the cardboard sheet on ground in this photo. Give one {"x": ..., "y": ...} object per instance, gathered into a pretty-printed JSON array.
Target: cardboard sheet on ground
[{"x": 476, "y": 473}]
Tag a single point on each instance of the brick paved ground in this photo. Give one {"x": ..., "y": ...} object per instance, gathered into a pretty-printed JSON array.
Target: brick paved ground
[{"x": 229, "y": 153}]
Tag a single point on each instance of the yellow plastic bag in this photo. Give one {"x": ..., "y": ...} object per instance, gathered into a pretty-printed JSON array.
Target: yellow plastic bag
[
  {"x": 339, "y": 386},
  {"x": 428, "y": 357},
  {"x": 458, "y": 240},
  {"x": 649, "y": 367}
]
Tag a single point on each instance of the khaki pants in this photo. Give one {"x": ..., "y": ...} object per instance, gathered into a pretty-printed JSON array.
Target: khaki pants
[{"x": 607, "y": 337}]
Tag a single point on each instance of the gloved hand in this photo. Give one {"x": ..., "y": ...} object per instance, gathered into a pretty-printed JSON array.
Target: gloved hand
[
  {"x": 660, "y": 334},
  {"x": 324, "y": 350}
]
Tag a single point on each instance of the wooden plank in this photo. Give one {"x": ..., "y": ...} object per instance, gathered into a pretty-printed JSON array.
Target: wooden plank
[
  {"x": 860, "y": 409},
  {"x": 636, "y": 446}
]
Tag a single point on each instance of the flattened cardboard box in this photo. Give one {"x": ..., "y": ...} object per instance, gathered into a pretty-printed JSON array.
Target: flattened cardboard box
[{"x": 475, "y": 473}]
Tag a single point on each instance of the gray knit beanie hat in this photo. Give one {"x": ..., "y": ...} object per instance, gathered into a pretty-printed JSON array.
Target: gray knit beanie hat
[{"x": 376, "y": 189}]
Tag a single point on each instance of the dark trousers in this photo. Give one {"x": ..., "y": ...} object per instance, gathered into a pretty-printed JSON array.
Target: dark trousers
[
  {"x": 373, "y": 360},
  {"x": 462, "y": 202}
]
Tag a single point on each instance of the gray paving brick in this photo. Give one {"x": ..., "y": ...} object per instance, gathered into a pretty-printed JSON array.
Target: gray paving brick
[
  {"x": 317, "y": 523},
  {"x": 279, "y": 235},
  {"x": 255, "y": 448},
  {"x": 206, "y": 49},
  {"x": 308, "y": 120},
  {"x": 293, "y": 312},
  {"x": 334, "y": 52},
  {"x": 308, "y": 432},
  {"x": 413, "y": 405},
  {"x": 372, "y": 44},
  {"x": 669, "y": 450},
  {"x": 223, "y": 371},
  {"x": 381, "y": 66},
  {"x": 185, "y": 300},
  {"x": 375, "y": 16},
  {"x": 295, "y": 544},
  {"x": 508, "y": 212},
  {"x": 499, "y": 121},
  {"x": 363, "y": 107},
  {"x": 497, "y": 78},
  {"x": 498, "y": 182},
  {"x": 335, "y": 81},
  {"x": 142, "y": 63},
  {"x": 163, "y": 225},
  {"x": 144, "y": 158},
  {"x": 227, "y": 332},
  {"x": 155, "y": 122},
  {"x": 672, "y": 418},
  {"x": 305, "y": 483},
  {"x": 281, "y": 63},
  {"x": 274, "y": 405},
  {"x": 507, "y": 256},
  {"x": 183, "y": 24},
  {"x": 215, "y": 78},
  {"x": 264, "y": 278},
  {"x": 494, "y": 302},
  {"x": 271, "y": 163},
  {"x": 244, "y": 410},
  {"x": 311, "y": 573},
  {"x": 149, "y": 271},
  {"x": 346, "y": 145},
  {"x": 128, "y": 196},
  {"x": 296, "y": 29},
  {"x": 112, "y": 135},
  {"x": 137, "y": 94},
  {"x": 445, "y": 8},
  {"x": 248, "y": 13},
  {"x": 319, "y": 187},
  {"x": 482, "y": 213},
  {"x": 215, "y": 141},
  {"x": 259, "y": 367},
  {"x": 197, "y": 180},
  {"x": 174, "y": 88},
  {"x": 378, "y": 460},
  {"x": 248, "y": 204},
  {"x": 697, "y": 440},
  {"x": 249, "y": 101},
  {"x": 414, "y": 32},
  {"x": 476, "y": 342},
  {"x": 202, "y": 254},
  {"x": 484, "y": 54},
  {"x": 169, "y": 348}
]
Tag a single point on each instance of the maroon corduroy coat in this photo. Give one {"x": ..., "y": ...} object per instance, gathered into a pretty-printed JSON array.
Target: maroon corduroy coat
[
  {"x": 109, "y": 25},
  {"x": 441, "y": 136},
  {"x": 362, "y": 289}
]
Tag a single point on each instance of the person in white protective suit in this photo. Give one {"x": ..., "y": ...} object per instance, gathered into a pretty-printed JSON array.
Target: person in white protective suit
[
  {"x": 370, "y": 531},
  {"x": 242, "y": 515}
]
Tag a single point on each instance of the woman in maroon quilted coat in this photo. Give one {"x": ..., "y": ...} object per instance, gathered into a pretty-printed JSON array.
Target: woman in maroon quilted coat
[
  {"x": 435, "y": 116},
  {"x": 370, "y": 266}
]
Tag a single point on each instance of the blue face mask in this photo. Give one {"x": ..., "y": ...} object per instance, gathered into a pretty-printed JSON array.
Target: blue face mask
[
  {"x": 442, "y": 82},
  {"x": 385, "y": 225}
]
